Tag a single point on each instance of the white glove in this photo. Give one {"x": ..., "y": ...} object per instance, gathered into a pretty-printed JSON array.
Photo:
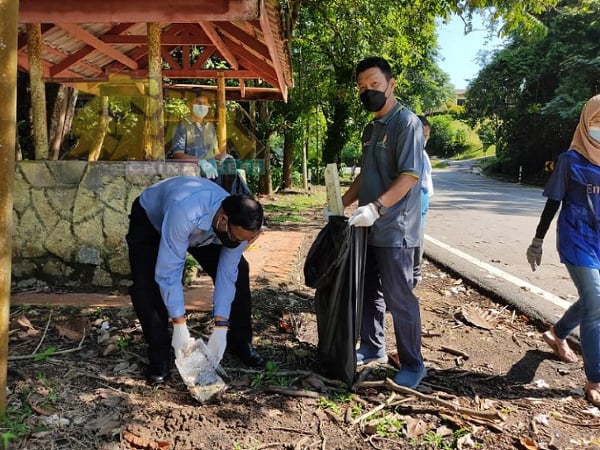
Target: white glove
[
  {"x": 208, "y": 169},
  {"x": 217, "y": 343},
  {"x": 364, "y": 216},
  {"x": 326, "y": 214},
  {"x": 534, "y": 253},
  {"x": 181, "y": 340}
]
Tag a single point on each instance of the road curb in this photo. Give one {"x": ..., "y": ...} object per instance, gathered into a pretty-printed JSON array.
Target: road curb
[{"x": 498, "y": 289}]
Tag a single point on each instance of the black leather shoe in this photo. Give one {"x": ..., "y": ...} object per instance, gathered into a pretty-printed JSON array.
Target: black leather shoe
[
  {"x": 247, "y": 354},
  {"x": 158, "y": 373}
]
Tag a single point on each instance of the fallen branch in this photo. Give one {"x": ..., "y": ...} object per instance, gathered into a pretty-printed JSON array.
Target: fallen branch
[
  {"x": 43, "y": 334},
  {"x": 291, "y": 392},
  {"x": 290, "y": 373},
  {"x": 430, "y": 398},
  {"x": 472, "y": 412},
  {"x": 572, "y": 421},
  {"x": 379, "y": 407},
  {"x": 291, "y": 430},
  {"x": 454, "y": 351},
  {"x": 59, "y": 352}
]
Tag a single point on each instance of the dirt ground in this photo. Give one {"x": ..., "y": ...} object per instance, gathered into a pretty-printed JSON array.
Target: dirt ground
[{"x": 492, "y": 383}]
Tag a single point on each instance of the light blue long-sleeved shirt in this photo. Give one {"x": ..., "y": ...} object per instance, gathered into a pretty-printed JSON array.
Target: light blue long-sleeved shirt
[{"x": 182, "y": 211}]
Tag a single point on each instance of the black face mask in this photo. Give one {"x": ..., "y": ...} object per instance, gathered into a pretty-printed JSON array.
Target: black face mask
[
  {"x": 373, "y": 100},
  {"x": 225, "y": 239}
]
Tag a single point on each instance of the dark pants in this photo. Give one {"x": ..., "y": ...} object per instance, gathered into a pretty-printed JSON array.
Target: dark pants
[
  {"x": 389, "y": 285},
  {"x": 143, "y": 241}
]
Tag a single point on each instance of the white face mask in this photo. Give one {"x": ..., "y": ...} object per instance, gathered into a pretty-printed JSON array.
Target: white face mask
[
  {"x": 200, "y": 110},
  {"x": 595, "y": 133}
]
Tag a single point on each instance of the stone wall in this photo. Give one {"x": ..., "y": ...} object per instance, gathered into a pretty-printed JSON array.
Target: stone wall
[{"x": 71, "y": 217}]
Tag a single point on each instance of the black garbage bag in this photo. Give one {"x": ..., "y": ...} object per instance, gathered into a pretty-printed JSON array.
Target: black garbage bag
[
  {"x": 335, "y": 266},
  {"x": 233, "y": 183}
]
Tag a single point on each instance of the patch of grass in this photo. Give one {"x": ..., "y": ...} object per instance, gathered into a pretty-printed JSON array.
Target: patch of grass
[
  {"x": 474, "y": 153},
  {"x": 122, "y": 342},
  {"x": 437, "y": 441},
  {"x": 290, "y": 206},
  {"x": 390, "y": 426},
  {"x": 326, "y": 403},
  {"x": 269, "y": 377},
  {"x": 45, "y": 354},
  {"x": 281, "y": 218},
  {"x": 15, "y": 423}
]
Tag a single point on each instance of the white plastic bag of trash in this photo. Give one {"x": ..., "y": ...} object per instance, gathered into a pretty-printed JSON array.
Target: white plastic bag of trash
[{"x": 199, "y": 373}]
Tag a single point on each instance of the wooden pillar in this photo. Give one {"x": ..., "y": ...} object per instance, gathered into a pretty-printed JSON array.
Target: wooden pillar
[
  {"x": 38, "y": 91},
  {"x": 221, "y": 113},
  {"x": 9, "y": 11},
  {"x": 156, "y": 128}
]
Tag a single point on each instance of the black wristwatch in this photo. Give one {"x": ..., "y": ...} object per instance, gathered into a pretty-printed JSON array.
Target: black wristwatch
[{"x": 380, "y": 208}]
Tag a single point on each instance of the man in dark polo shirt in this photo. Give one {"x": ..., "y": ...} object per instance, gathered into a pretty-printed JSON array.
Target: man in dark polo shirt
[{"x": 388, "y": 190}]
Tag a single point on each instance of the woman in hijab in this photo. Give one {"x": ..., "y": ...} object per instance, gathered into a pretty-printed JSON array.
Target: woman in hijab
[{"x": 574, "y": 186}]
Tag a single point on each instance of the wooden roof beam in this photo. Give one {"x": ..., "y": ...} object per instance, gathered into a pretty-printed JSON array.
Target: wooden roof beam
[
  {"x": 174, "y": 65},
  {"x": 74, "y": 58},
  {"x": 212, "y": 33},
  {"x": 207, "y": 52},
  {"x": 142, "y": 39},
  {"x": 118, "y": 11},
  {"x": 22, "y": 39},
  {"x": 92, "y": 40},
  {"x": 23, "y": 63},
  {"x": 201, "y": 73},
  {"x": 269, "y": 34},
  {"x": 250, "y": 41},
  {"x": 261, "y": 66}
]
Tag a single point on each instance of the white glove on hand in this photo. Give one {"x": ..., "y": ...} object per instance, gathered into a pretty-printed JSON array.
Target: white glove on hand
[
  {"x": 181, "y": 340},
  {"x": 534, "y": 253},
  {"x": 217, "y": 343},
  {"x": 208, "y": 169},
  {"x": 364, "y": 216},
  {"x": 326, "y": 214}
]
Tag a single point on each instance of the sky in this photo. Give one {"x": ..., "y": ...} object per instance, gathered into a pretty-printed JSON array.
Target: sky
[{"x": 459, "y": 51}]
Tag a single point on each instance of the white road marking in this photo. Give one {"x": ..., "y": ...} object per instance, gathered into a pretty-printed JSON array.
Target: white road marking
[{"x": 554, "y": 299}]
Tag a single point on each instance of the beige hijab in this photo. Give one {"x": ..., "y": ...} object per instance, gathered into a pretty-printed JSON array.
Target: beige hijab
[{"x": 582, "y": 143}]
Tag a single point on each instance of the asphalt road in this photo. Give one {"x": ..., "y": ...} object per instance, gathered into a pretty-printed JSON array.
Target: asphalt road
[{"x": 480, "y": 228}]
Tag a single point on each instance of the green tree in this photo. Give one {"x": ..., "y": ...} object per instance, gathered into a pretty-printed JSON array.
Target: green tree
[
  {"x": 534, "y": 89},
  {"x": 329, "y": 38}
]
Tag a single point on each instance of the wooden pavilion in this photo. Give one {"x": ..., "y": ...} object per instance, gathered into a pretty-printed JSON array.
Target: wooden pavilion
[{"x": 240, "y": 44}]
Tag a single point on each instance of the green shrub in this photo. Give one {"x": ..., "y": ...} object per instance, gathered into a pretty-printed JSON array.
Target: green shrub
[{"x": 451, "y": 137}]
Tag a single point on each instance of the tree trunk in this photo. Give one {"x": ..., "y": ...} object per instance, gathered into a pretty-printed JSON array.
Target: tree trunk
[
  {"x": 266, "y": 180},
  {"x": 100, "y": 131},
  {"x": 336, "y": 134},
  {"x": 37, "y": 91},
  {"x": 62, "y": 117},
  {"x": 288, "y": 157},
  {"x": 305, "y": 163}
]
